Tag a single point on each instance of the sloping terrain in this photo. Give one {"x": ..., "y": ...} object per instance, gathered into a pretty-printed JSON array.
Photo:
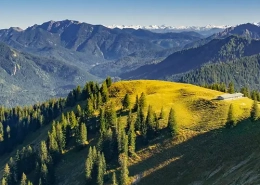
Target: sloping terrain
[
  {"x": 217, "y": 50},
  {"x": 86, "y": 45},
  {"x": 26, "y": 79}
]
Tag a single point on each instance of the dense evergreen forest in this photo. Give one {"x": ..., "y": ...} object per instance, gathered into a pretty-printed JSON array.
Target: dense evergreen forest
[
  {"x": 117, "y": 139},
  {"x": 243, "y": 72}
]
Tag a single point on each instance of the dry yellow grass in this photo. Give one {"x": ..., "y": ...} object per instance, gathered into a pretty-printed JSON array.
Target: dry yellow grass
[{"x": 195, "y": 106}]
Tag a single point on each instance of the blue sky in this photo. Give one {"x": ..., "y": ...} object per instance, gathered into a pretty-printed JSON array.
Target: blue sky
[{"x": 24, "y": 13}]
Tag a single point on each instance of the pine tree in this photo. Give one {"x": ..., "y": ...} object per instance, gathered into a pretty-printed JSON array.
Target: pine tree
[
  {"x": 142, "y": 101},
  {"x": 44, "y": 174},
  {"x": 157, "y": 123},
  {"x": 7, "y": 174},
  {"x": 1, "y": 132},
  {"x": 109, "y": 81},
  {"x": 101, "y": 169},
  {"x": 23, "y": 180},
  {"x": 8, "y": 131},
  {"x": 126, "y": 102},
  {"x": 172, "y": 124},
  {"x": 82, "y": 135},
  {"x": 136, "y": 103},
  {"x": 60, "y": 138},
  {"x": 124, "y": 179},
  {"x": 132, "y": 139},
  {"x": 150, "y": 123},
  {"x": 104, "y": 92},
  {"x": 53, "y": 147},
  {"x": 255, "y": 111},
  {"x": 89, "y": 164},
  {"x": 231, "y": 118},
  {"x": 231, "y": 88},
  {"x": 114, "y": 180},
  {"x": 4, "y": 181},
  {"x": 110, "y": 114},
  {"x": 102, "y": 121}
]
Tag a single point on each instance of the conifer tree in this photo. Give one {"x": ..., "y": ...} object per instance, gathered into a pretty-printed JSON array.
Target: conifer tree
[
  {"x": 114, "y": 180},
  {"x": 1, "y": 132},
  {"x": 99, "y": 100},
  {"x": 110, "y": 114},
  {"x": 231, "y": 118},
  {"x": 109, "y": 81},
  {"x": 89, "y": 164},
  {"x": 101, "y": 169},
  {"x": 53, "y": 147},
  {"x": 8, "y": 131},
  {"x": 82, "y": 135},
  {"x": 104, "y": 92},
  {"x": 150, "y": 123},
  {"x": 4, "y": 181},
  {"x": 102, "y": 121},
  {"x": 157, "y": 123},
  {"x": 126, "y": 102},
  {"x": 60, "y": 138},
  {"x": 231, "y": 88},
  {"x": 23, "y": 180},
  {"x": 7, "y": 174},
  {"x": 124, "y": 179},
  {"x": 172, "y": 124},
  {"x": 136, "y": 105},
  {"x": 255, "y": 111},
  {"x": 132, "y": 139},
  {"x": 142, "y": 101}
]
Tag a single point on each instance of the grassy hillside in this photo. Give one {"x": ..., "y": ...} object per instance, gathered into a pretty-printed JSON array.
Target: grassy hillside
[
  {"x": 203, "y": 153},
  {"x": 197, "y": 113}
]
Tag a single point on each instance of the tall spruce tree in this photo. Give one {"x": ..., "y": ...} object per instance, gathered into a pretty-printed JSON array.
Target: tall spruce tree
[
  {"x": 231, "y": 117},
  {"x": 231, "y": 88},
  {"x": 132, "y": 139},
  {"x": 142, "y": 101},
  {"x": 172, "y": 124},
  {"x": 126, "y": 102},
  {"x": 114, "y": 180},
  {"x": 150, "y": 123},
  {"x": 23, "y": 180},
  {"x": 255, "y": 111},
  {"x": 124, "y": 178},
  {"x": 81, "y": 137}
]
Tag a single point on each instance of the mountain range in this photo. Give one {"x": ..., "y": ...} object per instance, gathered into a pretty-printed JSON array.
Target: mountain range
[
  {"x": 204, "y": 30},
  {"x": 94, "y": 52}
]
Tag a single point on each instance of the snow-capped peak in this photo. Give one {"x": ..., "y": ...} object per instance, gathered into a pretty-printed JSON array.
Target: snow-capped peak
[{"x": 166, "y": 27}]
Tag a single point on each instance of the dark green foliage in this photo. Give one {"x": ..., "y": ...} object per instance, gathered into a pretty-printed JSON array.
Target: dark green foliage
[
  {"x": 82, "y": 135},
  {"x": 231, "y": 88},
  {"x": 108, "y": 81},
  {"x": 244, "y": 72},
  {"x": 142, "y": 101},
  {"x": 136, "y": 106},
  {"x": 104, "y": 92},
  {"x": 131, "y": 138},
  {"x": 172, "y": 124},
  {"x": 255, "y": 111},
  {"x": 126, "y": 102},
  {"x": 231, "y": 122},
  {"x": 150, "y": 123},
  {"x": 114, "y": 179},
  {"x": 110, "y": 114},
  {"x": 124, "y": 179}
]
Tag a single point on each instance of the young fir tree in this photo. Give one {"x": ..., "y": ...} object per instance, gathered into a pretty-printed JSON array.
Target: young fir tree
[
  {"x": 114, "y": 180},
  {"x": 132, "y": 139},
  {"x": 255, "y": 111},
  {"x": 23, "y": 180},
  {"x": 126, "y": 102},
  {"x": 142, "y": 101},
  {"x": 104, "y": 92},
  {"x": 81, "y": 138},
  {"x": 231, "y": 118},
  {"x": 60, "y": 138},
  {"x": 136, "y": 105},
  {"x": 101, "y": 169},
  {"x": 157, "y": 123},
  {"x": 4, "y": 181},
  {"x": 231, "y": 88},
  {"x": 89, "y": 164},
  {"x": 7, "y": 174},
  {"x": 172, "y": 124},
  {"x": 102, "y": 121},
  {"x": 124, "y": 179},
  {"x": 150, "y": 123},
  {"x": 1, "y": 132}
]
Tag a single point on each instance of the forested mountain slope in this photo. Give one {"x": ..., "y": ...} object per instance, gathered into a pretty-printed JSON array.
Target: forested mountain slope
[
  {"x": 173, "y": 133},
  {"x": 217, "y": 50},
  {"x": 26, "y": 79}
]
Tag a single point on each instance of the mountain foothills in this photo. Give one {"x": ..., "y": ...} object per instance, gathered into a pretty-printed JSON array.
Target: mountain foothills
[
  {"x": 26, "y": 79},
  {"x": 88, "y": 49},
  {"x": 225, "y": 49},
  {"x": 145, "y": 132}
]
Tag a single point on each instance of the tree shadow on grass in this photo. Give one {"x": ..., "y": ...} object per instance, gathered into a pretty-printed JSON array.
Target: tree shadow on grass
[{"x": 202, "y": 158}]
